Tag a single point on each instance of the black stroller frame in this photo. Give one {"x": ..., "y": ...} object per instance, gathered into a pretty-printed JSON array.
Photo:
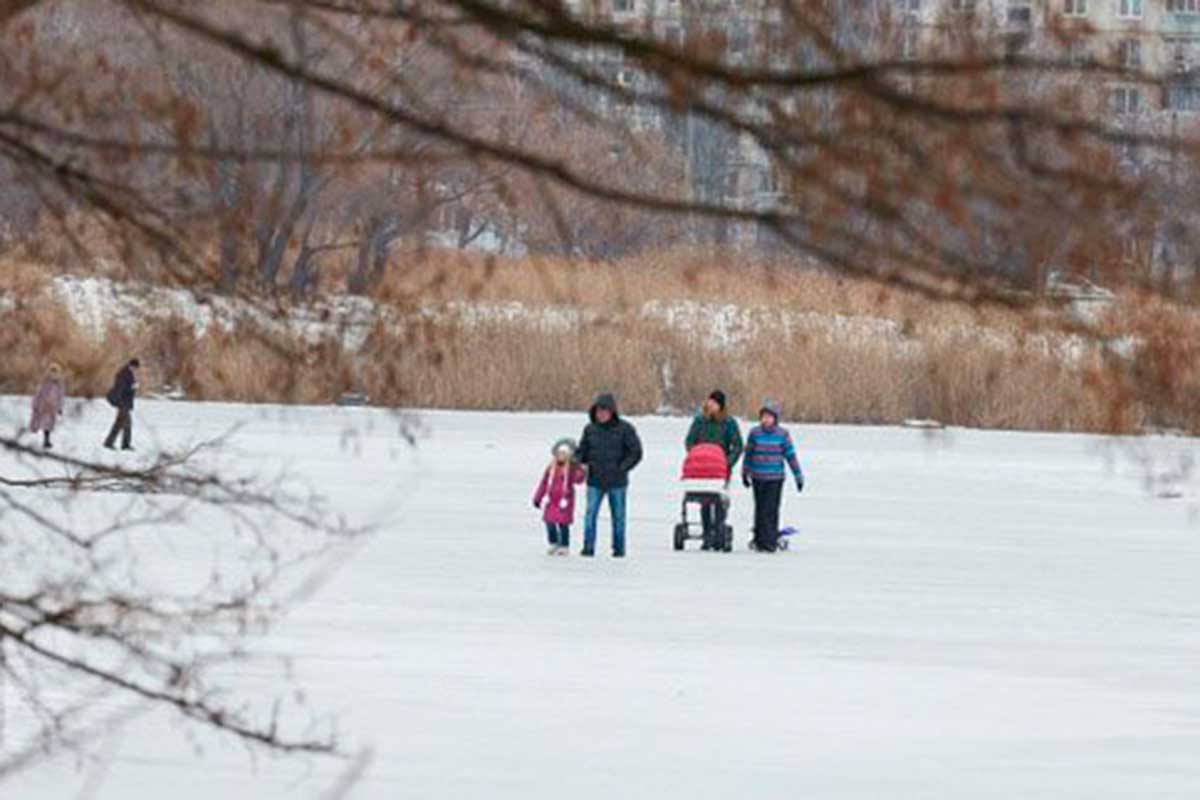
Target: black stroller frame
[{"x": 690, "y": 530}]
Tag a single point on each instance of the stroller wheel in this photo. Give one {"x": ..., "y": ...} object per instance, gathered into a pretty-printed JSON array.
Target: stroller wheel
[
  {"x": 680, "y": 536},
  {"x": 783, "y": 544}
]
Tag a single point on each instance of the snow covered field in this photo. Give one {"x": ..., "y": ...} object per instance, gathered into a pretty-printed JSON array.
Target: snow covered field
[{"x": 965, "y": 615}]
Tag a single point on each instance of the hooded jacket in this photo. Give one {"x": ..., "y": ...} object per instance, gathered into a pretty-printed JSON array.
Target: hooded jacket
[
  {"x": 555, "y": 494},
  {"x": 611, "y": 449}
]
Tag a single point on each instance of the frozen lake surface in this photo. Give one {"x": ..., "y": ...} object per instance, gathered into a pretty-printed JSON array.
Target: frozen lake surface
[{"x": 964, "y": 615}]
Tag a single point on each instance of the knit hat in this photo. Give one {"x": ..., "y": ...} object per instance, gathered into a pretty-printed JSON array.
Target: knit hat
[
  {"x": 773, "y": 408},
  {"x": 565, "y": 442},
  {"x": 719, "y": 397}
]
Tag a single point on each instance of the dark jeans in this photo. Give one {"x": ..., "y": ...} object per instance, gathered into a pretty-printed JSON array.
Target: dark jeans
[
  {"x": 558, "y": 534},
  {"x": 122, "y": 425},
  {"x": 712, "y": 516},
  {"x": 767, "y": 496},
  {"x": 616, "y": 506}
]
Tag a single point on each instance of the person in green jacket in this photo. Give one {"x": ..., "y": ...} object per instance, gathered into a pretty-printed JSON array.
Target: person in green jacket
[{"x": 714, "y": 425}]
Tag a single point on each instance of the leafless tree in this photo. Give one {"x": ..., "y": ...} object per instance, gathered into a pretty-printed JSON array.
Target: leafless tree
[
  {"x": 99, "y": 623},
  {"x": 242, "y": 142}
]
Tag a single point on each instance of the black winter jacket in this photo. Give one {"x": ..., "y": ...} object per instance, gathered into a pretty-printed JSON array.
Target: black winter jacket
[
  {"x": 124, "y": 388},
  {"x": 610, "y": 451}
]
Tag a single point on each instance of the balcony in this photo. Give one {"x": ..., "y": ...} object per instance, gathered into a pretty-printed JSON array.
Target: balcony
[{"x": 1180, "y": 22}]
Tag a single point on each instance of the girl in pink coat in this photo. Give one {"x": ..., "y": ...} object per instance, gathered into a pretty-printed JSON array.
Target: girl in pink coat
[
  {"x": 48, "y": 404},
  {"x": 557, "y": 491}
]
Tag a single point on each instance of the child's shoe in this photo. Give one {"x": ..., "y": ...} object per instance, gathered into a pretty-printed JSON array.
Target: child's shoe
[
  {"x": 553, "y": 550},
  {"x": 563, "y": 550}
]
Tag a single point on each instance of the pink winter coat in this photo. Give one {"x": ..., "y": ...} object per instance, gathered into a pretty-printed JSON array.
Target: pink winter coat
[
  {"x": 47, "y": 404},
  {"x": 558, "y": 485}
]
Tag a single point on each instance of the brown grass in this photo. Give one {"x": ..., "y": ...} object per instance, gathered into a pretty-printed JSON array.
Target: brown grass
[
  {"x": 701, "y": 275},
  {"x": 959, "y": 366},
  {"x": 20, "y": 277}
]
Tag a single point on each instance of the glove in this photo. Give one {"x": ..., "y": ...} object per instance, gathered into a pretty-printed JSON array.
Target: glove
[
  {"x": 800, "y": 485},
  {"x": 537, "y": 505},
  {"x": 746, "y": 479}
]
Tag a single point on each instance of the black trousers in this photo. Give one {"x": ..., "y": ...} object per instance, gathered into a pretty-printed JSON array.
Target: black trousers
[
  {"x": 559, "y": 534},
  {"x": 712, "y": 517},
  {"x": 767, "y": 496},
  {"x": 122, "y": 425}
]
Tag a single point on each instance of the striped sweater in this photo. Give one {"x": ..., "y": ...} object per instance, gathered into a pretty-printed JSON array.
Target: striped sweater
[{"x": 766, "y": 451}]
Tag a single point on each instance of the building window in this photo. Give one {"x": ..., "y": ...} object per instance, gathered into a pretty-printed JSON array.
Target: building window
[
  {"x": 1183, "y": 98},
  {"x": 1129, "y": 9},
  {"x": 1020, "y": 12},
  {"x": 769, "y": 182},
  {"x": 1130, "y": 52},
  {"x": 1181, "y": 54},
  {"x": 628, "y": 6},
  {"x": 1127, "y": 100},
  {"x": 1075, "y": 8},
  {"x": 1183, "y": 6},
  {"x": 908, "y": 6},
  {"x": 1078, "y": 52},
  {"x": 962, "y": 6}
]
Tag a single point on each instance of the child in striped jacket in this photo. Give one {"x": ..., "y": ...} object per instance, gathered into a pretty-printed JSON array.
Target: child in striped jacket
[{"x": 768, "y": 447}]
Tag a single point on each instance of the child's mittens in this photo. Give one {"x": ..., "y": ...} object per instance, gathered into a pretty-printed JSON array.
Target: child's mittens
[{"x": 537, "y": 504}]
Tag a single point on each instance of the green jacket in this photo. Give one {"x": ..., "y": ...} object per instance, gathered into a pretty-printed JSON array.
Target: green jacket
[{"x": 723, "y": 431}]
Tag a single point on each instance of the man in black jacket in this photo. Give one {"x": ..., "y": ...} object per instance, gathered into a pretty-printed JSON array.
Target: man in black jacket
[
  {"x": 120, "y": 396},
  {"x": 610, "y": 448}
]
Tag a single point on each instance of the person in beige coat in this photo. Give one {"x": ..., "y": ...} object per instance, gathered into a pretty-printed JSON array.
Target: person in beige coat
[{"x": 48, "y": 404}]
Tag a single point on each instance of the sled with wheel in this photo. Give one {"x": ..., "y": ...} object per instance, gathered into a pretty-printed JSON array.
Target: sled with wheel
[{"x": 785, "y": 538}]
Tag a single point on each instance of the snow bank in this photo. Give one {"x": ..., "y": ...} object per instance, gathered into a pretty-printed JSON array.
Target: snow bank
[{"x": 97, "y": 303}]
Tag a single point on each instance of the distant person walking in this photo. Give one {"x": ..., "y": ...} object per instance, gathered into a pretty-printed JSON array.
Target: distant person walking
[
  {"x": 48, "y": 404},
  {"x": 610, "y": 449},
  {"x": 768, "y": 447},
  {"x": 713, "y": 425},
  {"x": 120, "y": 397}
]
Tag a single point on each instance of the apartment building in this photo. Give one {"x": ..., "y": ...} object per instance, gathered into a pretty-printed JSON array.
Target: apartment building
[{"x": 1156, "y": 41}]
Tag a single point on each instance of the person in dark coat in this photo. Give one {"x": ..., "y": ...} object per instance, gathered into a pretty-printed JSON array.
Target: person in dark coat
[
  {"x": 120, "y": 397},
  {"x": 713, "y": 425},
  {"x": 609, "y": 448}
]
